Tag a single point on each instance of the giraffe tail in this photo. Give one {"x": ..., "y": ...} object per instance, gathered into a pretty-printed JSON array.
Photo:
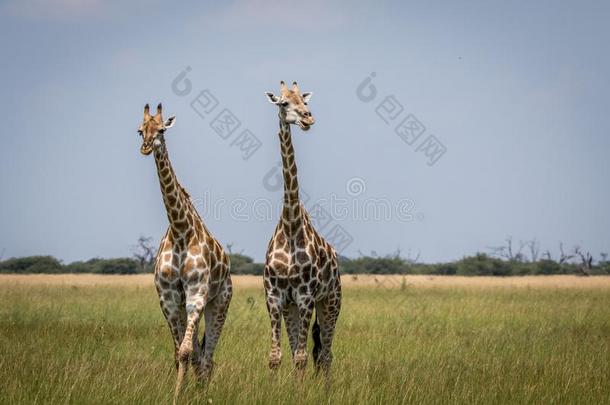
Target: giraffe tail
[{"x": 317, "y": 342}]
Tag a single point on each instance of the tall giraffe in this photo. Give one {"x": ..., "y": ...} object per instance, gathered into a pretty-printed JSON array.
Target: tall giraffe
[
  {"x": 192, "y": 274},
  {"x": 301, "y": 271}
]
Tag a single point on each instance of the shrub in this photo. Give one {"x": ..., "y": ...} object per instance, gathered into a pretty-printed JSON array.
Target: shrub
[
  {"x": 31, "y": 264},
  {"x": 482, "y": 265},
  {"x": 242, "y": 264}
]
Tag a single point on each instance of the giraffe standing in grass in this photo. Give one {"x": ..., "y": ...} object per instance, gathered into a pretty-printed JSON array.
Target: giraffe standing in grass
[
  {"x": 192, "y": 270},
  {"x": 301, "y": 267}
]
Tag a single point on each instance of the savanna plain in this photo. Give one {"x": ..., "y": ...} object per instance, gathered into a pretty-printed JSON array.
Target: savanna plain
[{"x": 414, "y": 339}]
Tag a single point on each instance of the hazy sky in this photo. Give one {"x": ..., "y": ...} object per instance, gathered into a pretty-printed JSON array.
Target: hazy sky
[{"x": 516, "y": 92}]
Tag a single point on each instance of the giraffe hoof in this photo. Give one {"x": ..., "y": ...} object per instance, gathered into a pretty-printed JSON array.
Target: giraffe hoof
[
  {"x": 185, "y": 352},
  {"x": 204, "y": 370},
  {"x": 300, "y": 360},
  {"x": 274, "y": 363}
]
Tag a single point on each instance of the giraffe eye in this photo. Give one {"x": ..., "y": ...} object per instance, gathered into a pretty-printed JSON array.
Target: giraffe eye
[
  {"x": 140, "y": 132},
  {"x": 284, "y": 103}
]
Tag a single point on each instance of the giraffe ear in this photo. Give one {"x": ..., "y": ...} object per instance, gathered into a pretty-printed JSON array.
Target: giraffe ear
[
  {"x": 273, "y": 99},
  {"x": 307, "y": 96},
  {"x": 169, "y": 122}
]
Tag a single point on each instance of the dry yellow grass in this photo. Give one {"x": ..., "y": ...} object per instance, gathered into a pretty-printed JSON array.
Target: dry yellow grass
[
  {"x": 349, "y": 281},
  {"x": 96, "y": 339}
]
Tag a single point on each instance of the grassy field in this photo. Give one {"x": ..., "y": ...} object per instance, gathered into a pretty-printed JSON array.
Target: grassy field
[{"x": 97, "y": 339}]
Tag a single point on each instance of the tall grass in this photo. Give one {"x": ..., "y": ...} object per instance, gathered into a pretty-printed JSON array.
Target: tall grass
[{"x": 108, "y": 344}]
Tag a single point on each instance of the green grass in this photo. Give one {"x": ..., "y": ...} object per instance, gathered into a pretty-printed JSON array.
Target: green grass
[{"x": 415, "y": 345}]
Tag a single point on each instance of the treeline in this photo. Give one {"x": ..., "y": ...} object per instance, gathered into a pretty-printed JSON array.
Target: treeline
[
  {"x": 480, "y": 264},
  {"x": 510, "y": 259},
  {"x": 240, "y": 264}
]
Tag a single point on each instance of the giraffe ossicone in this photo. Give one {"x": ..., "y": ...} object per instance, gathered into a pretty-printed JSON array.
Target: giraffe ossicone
[{"x": 192, "y": 271}]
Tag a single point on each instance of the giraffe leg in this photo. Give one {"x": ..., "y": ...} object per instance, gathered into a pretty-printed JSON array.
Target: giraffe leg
[
  {"x": 196, "y": 299},
  {"x": 306, "y": 306},
  {"x": 291, "y": 318},
  {"x": 215, "y": 314},
  {"x": 327, "y": 312},
  {"x": 274, "y": 307},
  {"x": 196, "y": 350},
  {"x": 171, "y": 301}
]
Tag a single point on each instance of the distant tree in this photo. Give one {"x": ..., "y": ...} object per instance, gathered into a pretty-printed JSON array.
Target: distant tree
[
  {"x": 564, "y": 257},
  {"x": 144, "y": 254},
  {"x": 230, "y": 249},
  {"x": 604, "y": 264},
  {"x": 508, "y": 252},
  {"x": 586, "y": 264},
  {"x": 409, "y": 259},
  {"x": 534, "y": 247}
]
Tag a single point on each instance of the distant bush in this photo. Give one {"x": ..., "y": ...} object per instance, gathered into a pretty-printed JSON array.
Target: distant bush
[
  {"x": 122, "y": 265},
  {"x": 50, "y": 265},
  {"x": 242, "y": 264},
  {"x": 437, "y": 269},
  {"x": 547, "y": 267},
  {"x": 480, "y": 264},
  {"x": 31, "y": 264},
  {"x": 374, "y": 265}
]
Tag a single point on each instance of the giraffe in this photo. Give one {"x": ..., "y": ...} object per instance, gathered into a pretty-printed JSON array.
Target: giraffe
[
  {"x": 301, "y": 271},
  {"x": 192, "y": 274}
]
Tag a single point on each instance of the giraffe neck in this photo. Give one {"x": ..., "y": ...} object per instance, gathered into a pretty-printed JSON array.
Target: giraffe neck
[
  {"x": 180, "y": 212},
  {"x": 291, "y": 212}
]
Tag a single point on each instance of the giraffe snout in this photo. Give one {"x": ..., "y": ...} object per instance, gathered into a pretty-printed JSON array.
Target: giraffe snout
[
  {"x": 306, "y": 122},
  {"x": 146, "y": 148}
]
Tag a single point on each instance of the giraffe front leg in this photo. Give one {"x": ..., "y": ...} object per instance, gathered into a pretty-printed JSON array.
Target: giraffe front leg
[
  {"x": 171, "y": 301},
  {"x": 196, "y": 350},
  {"x": 196, "y": 299},
  {"x": 215, "y": 314},
  {"x": 274, "y": 307},
  {"x": 306, "y": 306}
]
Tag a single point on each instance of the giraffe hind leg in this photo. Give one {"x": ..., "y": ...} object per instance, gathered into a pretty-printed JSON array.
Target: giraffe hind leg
[
  {"x": 274, "y": 307},
  {"x": 215, "y": 314},
  {"x": 306, "y": 306},
  {"x": 291, "y": 318},
  {"x": 317, "y": 343},
  {"x": 327, "y": 311}
]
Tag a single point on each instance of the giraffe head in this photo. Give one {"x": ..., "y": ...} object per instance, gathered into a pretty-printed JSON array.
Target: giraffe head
[
  {"x": 152, "y": 129},
  {"x": 293, "y": 105}
]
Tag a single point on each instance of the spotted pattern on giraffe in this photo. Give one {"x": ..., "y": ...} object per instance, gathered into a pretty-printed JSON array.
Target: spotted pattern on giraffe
[
  {"x": 301, "y": 271},
  {"x": 192, "y": 271}
]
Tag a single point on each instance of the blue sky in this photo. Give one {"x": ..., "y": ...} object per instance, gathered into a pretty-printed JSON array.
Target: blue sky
[{"x": 516, "y": 92}]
